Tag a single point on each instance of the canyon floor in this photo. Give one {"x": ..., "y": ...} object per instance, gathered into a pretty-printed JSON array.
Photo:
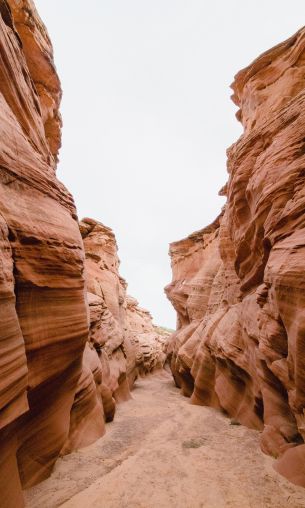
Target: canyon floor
[{"x": 163, "y": 452}]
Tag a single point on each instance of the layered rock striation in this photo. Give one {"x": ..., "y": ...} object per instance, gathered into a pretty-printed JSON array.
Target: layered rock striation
[
  {"x": 238, "y": 285},
  {"x": 121, "y": 333},
  {"x": 44, "y": 322},
  {"x": 66, "y": 356}
]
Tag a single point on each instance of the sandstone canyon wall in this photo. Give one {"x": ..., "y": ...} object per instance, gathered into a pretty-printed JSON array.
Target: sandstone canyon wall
[
  {"x": 121, "y": 333},
  {"x": 62, "y": 366},
  {"x": 122, "y": 343},
  {"x": 43, "y": 312},
  {"x": 239, "y": 285}
]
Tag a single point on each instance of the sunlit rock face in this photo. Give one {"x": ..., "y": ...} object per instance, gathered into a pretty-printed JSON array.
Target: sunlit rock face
[
  {"x": 121, "y": 333},
  {"x": 44, "y": 323},
  {"x": 238, "y": 285}
]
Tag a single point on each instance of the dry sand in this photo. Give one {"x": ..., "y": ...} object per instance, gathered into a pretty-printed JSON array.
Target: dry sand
[{"x": 162, "y": 452}]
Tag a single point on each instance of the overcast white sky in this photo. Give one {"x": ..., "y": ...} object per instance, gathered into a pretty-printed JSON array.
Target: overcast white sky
[{"x": 148, "y": 117}]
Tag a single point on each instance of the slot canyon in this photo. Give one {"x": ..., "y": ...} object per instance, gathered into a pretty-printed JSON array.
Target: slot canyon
[{"x": 100, "y": 407}]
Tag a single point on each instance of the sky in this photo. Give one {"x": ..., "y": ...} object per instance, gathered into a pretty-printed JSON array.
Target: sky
[{"x": 147, "y": 116}]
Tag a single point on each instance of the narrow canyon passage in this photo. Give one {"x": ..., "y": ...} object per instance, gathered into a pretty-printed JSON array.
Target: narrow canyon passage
[
  {"x": 73, "y": 340},
  {"x": 162, "y": 452}
]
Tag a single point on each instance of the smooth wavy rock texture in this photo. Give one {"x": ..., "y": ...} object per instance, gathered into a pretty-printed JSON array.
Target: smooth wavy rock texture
[
  {"x": 66, "y": 355},
  {"x": 238, "y": 285},
  {"x": 122, "y": 334},
  {"x": 44, "y": 322}
]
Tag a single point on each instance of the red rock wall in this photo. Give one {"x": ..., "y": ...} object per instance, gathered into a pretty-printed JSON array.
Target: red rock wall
[
  {"x": 238, "y": 285},
  {"x": 122, "y": 334},
  {"x": 150, "y": 341},
  {"x": 44, "y": 322},
  {"x": 66, "y": 356}
]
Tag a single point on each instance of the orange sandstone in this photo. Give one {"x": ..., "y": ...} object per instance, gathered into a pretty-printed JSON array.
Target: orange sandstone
[
  {"x": 238, "y": 285},
  {"x": 43, "y": 312},
  {"x": 56, "y": 387}
]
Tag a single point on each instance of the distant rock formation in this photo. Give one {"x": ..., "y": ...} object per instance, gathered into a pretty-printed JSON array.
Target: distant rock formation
[
  {"x": 53, "y": 394},
  {"x": 121, "y": 333},
  {"x": 238, "y": 285}
]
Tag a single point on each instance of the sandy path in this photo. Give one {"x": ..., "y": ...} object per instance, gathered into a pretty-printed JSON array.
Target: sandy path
[{"x": 162, "y": 452}]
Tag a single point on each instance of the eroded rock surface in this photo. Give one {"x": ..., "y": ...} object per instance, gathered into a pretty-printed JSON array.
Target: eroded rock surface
[
  {"x": 122, "y": 334},
  {"x": 238, "y": 285},
  {"x": 161, "y": 451},
  {"x": 43, "y": 312},
  {"x": 61, "y": 370}
]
